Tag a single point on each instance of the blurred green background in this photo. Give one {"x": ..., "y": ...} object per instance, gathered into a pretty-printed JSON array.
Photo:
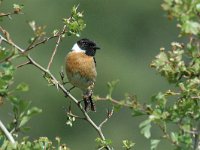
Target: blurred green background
[{"x": 129, "y": 33}]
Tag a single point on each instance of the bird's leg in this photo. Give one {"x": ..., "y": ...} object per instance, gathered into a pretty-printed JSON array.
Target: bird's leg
[
  {"x": 86, "y": 102},
  {"x": 92, "y": 105},
  {"x": 87, "y": 98}
]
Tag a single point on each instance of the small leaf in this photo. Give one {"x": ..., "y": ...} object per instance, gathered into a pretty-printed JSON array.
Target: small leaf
[
  {"x": 174, "y": 137},
  {"x": 145, "y": 128},
  {"x": 191, "y": 27},
  {"x": 22, "y": 87},
  {"x": 34, "y": 111},
  {"x": 128, "y": 144},
  {"x": 111, "y": 85},
  {"x": 154, "y": 144},
  {"x": 24, "y": 120},
  {"x": 17, "y": 8}
]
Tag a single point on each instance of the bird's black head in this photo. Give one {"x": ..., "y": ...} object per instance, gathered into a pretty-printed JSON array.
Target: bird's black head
[{"x": 90, "y": 47}]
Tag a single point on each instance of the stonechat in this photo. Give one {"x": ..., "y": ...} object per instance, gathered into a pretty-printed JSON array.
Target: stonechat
[{"x": 81, "y": 69}]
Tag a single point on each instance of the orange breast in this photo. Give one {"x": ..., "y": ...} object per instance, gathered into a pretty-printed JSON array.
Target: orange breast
[{"x": 83, "y": 65}]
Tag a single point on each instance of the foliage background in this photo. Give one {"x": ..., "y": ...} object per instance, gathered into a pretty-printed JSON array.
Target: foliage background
[{"x": 129, "y": 33}]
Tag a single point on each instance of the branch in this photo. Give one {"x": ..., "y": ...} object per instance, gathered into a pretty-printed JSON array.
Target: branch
[
  {"x": 6, "y": 14},
  {"x": 56, "y": 47},
  {"x": 32, "y": 45},
  {"x": 114, "y": 101},
  {"x": 7, "y": 133},
  {"x": 62, "y": 88},
  {"x": 23, "y": 64},
  {"x": 109, "y": 115}
]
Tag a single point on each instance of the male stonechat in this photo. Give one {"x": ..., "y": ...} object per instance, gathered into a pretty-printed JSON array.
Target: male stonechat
[{"x": 81, "y": 69}]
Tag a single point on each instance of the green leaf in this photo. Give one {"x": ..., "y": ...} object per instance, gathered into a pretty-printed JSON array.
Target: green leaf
[
  {"x": 174, "y": 137},
  {"x": 75, "y": 22},
  {"x": 22, "y": 87},
  {"x": 191, "y": 27},
  {"x": 128, "y": 144},
  {"x": 29, "y": 115},
  {"x": 145, "y": 128},
  {"x": 111, "y": 86},
  {"x": 24, "y": 120},
  {"x": 34, "y": 111},
  {"x": 103, "y": 143},
  {"x": 70, "y": 120},
  {"x": 154, "y": 144}
]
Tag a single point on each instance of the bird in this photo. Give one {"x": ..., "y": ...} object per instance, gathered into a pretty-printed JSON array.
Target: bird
[{"x": 81, "y": 69}]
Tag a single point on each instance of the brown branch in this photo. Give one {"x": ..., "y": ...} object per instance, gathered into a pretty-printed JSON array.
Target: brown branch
[
  {"x": 109, "y": 115},
  {"x": 40, "y": 42},
  {"x": 114, "y": 101},
  {"x": 5, "y": 14},
  {"x": 23, "y": 64},
  {"x": 56, "y": 47},
  {"x": 35, "y": 39},
  {"x": 44, "y": 40},
  {"x": 75, "y": 116}
]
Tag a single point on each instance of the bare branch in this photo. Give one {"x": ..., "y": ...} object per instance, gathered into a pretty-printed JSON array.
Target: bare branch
[
  {"x": 7, "y": 133},
  {"x": 55, "y": 49},
  {"x": 75, "y": 116},
  {"x": 5, "y": 14},
  {"x": 114, "y": 101},
  {"x": 40, "y": 42},
  {"x": 24, "y": 64},
  {"x": 30, "y": 47},
  {"x": 109, "y": 115},
  {"x": 31, "y": 44}
]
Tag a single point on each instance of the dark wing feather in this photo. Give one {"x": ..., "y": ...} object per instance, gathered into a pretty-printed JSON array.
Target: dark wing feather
[{"x": 95, "y": 61}]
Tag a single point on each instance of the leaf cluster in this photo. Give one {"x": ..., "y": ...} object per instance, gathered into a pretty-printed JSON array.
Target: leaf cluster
[{"x": 39, "y": 144}]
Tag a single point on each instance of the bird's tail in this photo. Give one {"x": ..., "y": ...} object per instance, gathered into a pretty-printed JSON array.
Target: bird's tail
[{"x": 88, "y": 102}]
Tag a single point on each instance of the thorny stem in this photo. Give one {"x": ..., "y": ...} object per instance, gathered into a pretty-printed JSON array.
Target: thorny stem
[
  {"x": 7, "y": 133},
  {"x": 62, "y": 88}
]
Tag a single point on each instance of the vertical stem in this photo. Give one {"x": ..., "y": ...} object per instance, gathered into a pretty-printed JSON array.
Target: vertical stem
[
  {"x": 56, "y": 47},
  {"x": 7, "y": 133}
]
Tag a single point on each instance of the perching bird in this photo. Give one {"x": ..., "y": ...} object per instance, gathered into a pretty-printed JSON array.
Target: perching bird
[{"x": 81, "y": 69}]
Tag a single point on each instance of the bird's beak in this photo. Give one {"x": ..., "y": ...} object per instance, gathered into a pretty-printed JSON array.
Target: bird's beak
[{"x": 96, "y": 47}]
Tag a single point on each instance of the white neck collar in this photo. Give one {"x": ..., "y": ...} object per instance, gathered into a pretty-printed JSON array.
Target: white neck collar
[{"x": 76, "y": 48}]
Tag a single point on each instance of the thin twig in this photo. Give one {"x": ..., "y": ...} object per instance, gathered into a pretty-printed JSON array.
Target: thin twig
[
  {"x": 23, "y": 64},
  {"x": 40, "y": 42},
  {"x": 44, "y": 41},
  {"x": 55, "y": 49},
  {"x": 75, "y": 116},
  {"x": 62, "y": 88},
  {"x": 109, "y": 115},
  {"x": 5, "y": 14},
  {"x": 114, "y": 101},
  {"x": 31, "y": 44},
  {"x": 7, "y": 133}
]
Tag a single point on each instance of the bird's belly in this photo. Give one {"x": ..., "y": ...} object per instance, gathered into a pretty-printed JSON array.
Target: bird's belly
[{"x": 79, "y": 81}]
